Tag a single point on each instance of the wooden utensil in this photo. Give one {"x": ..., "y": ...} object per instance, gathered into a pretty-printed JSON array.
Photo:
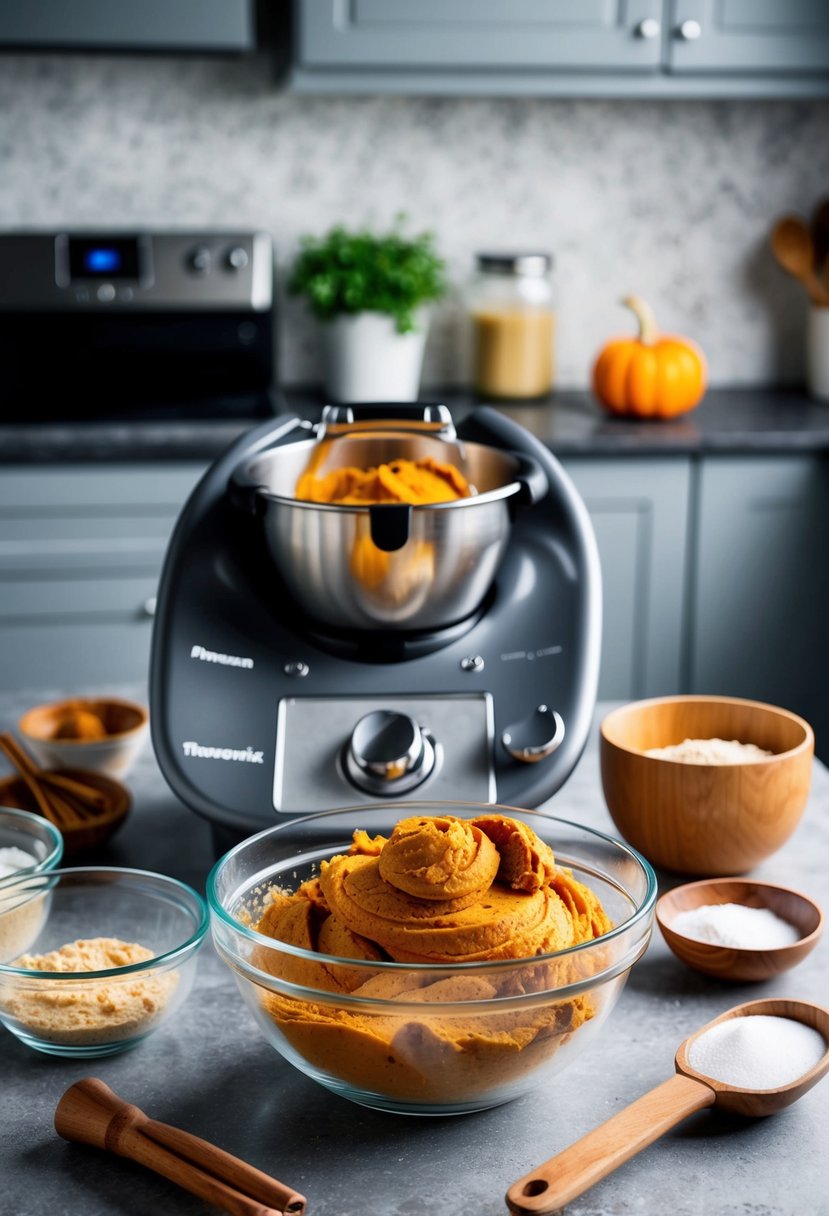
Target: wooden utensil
[
  {"x": 90, "y": 1113},
  {"x": 820, "y": 240},
  {"x": 567, "y": 1175},
  {"x": 727, "y": 962},
  {"x": 791, "y": 243}
]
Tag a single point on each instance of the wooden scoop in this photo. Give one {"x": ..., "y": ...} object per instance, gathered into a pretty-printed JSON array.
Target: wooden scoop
[
  {"x": 567, "y": 1175},
  {"x": 89, "y": 1112},
  {"x": 791, "y": 243},
  {"x": 820, "y": 240}
]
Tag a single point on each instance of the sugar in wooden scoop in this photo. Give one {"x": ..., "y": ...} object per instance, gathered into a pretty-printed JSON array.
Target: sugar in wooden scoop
[{"x": 757, "y": 1052}]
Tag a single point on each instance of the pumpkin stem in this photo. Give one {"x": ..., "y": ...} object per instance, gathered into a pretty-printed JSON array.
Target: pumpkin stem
[{"x": 644, "y": 315}]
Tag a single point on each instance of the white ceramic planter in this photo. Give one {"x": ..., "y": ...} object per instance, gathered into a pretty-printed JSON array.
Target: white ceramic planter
[
  {"x": 817, "y": 353},
  {"x": 366, "y": 359}
]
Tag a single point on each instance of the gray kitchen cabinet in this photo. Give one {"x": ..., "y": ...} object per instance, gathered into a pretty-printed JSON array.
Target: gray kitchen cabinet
[
  {"x": 572, "y": 48},
  {"x": 540, "y": 34},
  {"x": 733, "y": 36},
  {"x": 81, "y": 549},
  {"x": 640, "y": 511},
  {"x": 760, "y": 594},
  {"x": 715, "y": 578},
  {"x": 124, "y": 25}
]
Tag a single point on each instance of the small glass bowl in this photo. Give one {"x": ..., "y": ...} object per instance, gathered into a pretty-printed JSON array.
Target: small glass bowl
[
  {"x": 31, "y": 834},
  {"x": 83, "y": 1013},
  {"x": 509, "y": 1025},
  {"x": 20, "y": 918}
]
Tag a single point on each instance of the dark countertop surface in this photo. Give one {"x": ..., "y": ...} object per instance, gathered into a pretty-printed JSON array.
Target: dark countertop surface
[
  {"x": 571, "y": 423},
  {"x": 211, "y": 1072}
]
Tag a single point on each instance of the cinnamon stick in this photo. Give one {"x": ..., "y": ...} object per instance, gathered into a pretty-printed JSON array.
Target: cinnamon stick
[
  {"x": 79, "y": 789},
  {"x": 67, "y": 807},
  {"x": 90, "y": 1113},
  {"x": 47, "y": 806}
]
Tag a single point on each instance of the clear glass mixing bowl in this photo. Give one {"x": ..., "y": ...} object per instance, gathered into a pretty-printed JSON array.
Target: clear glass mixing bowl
[{"x": 438, "y": 1039}]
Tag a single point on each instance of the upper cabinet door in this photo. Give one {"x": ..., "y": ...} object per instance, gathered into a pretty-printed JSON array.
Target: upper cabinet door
[
  {"x": 577, "y": 35},
  {"x": 734, "y": 36},
  {"x": 126, "y": 25}
]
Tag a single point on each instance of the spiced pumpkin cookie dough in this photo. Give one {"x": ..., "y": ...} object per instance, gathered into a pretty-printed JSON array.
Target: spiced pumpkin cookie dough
[
  {"x": 439, "y": 890},
  {"x": 416, "y": 482}
]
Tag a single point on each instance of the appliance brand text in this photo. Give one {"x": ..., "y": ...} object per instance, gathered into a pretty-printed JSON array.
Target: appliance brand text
[
  {"x": 245, "y": 756},
  {"x": 226, "y": 660}
]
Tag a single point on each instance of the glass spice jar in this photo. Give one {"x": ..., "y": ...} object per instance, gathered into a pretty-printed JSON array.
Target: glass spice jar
[{"x": 511, "y": 306}]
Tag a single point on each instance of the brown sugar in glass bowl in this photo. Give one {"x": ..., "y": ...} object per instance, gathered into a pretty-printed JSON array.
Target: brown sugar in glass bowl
[{"x": 705, "y": 819}]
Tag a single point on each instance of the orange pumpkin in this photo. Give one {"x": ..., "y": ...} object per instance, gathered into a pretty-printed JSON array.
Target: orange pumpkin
[{"x": 651, "y": 375}]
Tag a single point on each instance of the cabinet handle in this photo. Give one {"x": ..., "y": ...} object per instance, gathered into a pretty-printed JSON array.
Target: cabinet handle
[
  {"x": 689, "y": 31},
  {"x": 148, "y": 607},
  {"x": 648, "y": 27}
]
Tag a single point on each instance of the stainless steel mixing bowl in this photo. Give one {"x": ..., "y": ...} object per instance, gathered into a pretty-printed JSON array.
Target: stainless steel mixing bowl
[{"x": 389, "y": 565}]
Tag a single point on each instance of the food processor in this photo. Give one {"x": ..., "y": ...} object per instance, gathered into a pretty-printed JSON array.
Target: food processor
[{"x": 315, "y": 655}]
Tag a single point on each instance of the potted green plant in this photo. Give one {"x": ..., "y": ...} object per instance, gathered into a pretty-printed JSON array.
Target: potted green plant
[{"x": 371, "y": 294}]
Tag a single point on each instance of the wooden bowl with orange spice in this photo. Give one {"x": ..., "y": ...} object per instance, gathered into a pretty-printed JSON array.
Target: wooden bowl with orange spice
[{"x": 98, "y": 734}]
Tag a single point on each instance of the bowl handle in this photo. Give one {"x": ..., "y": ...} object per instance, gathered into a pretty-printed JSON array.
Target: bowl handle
[{"x": 533, "y": 481}]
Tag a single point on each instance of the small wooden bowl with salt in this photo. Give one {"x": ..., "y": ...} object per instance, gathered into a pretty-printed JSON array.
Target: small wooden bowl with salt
[{"x": 737, "y": 929}]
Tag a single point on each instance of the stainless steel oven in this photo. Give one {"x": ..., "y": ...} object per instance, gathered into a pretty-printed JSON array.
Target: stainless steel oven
[{"x": 122, "y": 325}]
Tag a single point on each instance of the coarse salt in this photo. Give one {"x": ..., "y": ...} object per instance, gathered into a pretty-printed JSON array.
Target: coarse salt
[
  {"x": 710, "y": 751},
  {"x": 757, "y": 1051},
  {"x": 736, "y": 926},
  {"x": 13, "y": 859}
]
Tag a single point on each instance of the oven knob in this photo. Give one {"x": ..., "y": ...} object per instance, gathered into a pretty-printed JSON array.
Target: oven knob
[
  {"x": 534, "y": 737},
  {"x": 198, "y": 259},
  {"x": 236, "y": 258},
  {"x": 388, "y": 753}
]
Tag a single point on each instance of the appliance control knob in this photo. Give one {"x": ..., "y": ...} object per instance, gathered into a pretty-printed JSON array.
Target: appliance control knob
[
  {"x": 198, "y": 259},
  {"x": 236, "y": 258},
  {"x": 534, "y": 737},
  {"x": 388, "y": 753}
]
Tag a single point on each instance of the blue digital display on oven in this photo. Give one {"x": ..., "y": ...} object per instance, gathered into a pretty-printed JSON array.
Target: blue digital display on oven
[
  {"x": 104, "y": 260},
  {"x": 102, "y": 256}
]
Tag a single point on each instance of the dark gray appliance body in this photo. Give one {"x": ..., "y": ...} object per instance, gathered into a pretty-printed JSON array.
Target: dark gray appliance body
[
  {"x": 245, "y": 689},
  {"x": 118, "y": 325}
]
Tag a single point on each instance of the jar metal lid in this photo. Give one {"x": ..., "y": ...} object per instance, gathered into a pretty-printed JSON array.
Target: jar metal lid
[{"x": 532, "y": 264}]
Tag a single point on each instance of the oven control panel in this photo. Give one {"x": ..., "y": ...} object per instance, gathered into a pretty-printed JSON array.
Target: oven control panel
[{"x": 110, "y": 270}]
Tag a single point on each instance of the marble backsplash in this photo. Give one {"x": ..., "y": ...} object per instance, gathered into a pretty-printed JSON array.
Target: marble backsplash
[{"x": 672, "y": 200}]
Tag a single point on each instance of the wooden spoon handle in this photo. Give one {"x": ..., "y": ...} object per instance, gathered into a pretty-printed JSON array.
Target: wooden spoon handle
[
  {"x": 91, "y": 1113},
  {"x": 561, "y": 1179}
]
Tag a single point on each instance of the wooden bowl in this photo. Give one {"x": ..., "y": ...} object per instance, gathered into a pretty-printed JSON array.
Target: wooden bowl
[
  {"x": 726, "y": 962},
  {"x": 705, "y": 819},
  {"x": 95, "y": 831},
  {"x": 125, "y": 727}
]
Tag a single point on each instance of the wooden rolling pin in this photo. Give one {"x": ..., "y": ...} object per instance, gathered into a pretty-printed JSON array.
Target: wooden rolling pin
[{"x": 90, "y": 1113}]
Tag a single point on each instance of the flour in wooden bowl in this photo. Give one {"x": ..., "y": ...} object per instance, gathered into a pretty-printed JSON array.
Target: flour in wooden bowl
[{"x": 710, "y": 751}]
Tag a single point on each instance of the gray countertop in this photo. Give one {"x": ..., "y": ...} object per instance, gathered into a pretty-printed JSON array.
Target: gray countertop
[
  {"x": 211, "y": 1072},
  {"x": 571, "y": 423}
]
